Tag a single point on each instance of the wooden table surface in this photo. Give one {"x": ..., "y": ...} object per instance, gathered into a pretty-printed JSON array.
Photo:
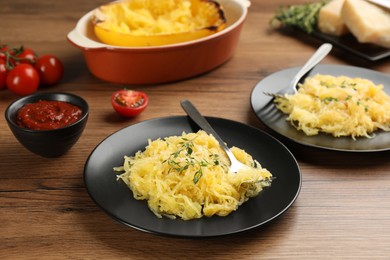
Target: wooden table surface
[{"x": 343, "y": 210}]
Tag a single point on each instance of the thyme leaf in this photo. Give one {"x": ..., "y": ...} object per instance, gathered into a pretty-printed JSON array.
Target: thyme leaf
[
  {"x": 327, "y": 100},
  {"x": 198, "y": 174}
]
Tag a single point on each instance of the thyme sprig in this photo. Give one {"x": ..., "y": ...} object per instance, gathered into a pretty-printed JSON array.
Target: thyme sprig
[
  {"x": 180, "y": 166},
  {"x": 302, "y": 16}
]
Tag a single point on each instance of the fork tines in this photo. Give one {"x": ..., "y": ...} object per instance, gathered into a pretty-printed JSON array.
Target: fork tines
[{"x": 272, "y": 94}]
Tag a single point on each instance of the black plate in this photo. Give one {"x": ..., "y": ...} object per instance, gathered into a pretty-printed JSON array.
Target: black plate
[
  {"x": 346, "y": 42},
  {"x": 117, "y": 200},
  {"x": 349, "y": 43},
  {"x": 276, "y": 120}
]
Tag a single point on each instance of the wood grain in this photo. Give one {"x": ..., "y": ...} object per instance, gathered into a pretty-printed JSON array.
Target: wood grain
[{"x": 343, "y": 210}]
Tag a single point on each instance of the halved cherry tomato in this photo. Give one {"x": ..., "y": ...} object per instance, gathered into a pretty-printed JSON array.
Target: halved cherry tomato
[
  {"x": 129, "y": 103},
  {"x": 23, "y": 79}
]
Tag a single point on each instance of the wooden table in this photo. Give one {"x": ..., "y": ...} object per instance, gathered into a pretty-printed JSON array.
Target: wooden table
[{"x": 343, "y": 210}]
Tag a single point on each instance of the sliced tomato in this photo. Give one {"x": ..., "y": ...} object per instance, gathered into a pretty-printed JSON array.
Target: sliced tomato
[{"x": 129, "y": 103}]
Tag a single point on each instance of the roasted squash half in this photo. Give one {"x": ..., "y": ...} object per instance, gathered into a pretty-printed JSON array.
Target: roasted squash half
[{"x": 136, "y": 23}]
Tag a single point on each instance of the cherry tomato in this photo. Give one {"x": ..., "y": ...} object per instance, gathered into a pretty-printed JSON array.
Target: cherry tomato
[
  {"x": 7, "y": 54},
  {"x": 27, "y": 56},
  {"x": 23, "y": 79},
  {"x": 50, "y": 69},
  {"x": 3, "y": 50},
  {"x": 2, "y": 53},
  {"x": 3, "y": 74},
  {"x": 129, "y": 103}
]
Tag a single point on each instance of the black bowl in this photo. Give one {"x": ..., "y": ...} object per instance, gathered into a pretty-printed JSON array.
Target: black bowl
[{"x": 48, "y": 143}]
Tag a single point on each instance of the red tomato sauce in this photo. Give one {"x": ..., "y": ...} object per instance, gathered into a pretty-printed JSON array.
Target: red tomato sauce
[{"x": 47, "y": 115}]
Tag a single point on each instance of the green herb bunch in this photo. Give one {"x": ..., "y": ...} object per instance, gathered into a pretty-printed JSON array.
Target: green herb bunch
[{"x": 303, "y": 16}]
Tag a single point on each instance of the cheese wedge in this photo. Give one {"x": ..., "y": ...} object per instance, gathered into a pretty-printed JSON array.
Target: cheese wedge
[
  {"x": 330, "y": 20},
  {"x": 367, "y": 22}
]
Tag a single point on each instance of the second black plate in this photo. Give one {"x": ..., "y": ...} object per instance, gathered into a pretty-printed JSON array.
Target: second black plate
[{"x": 267, "y": 112}]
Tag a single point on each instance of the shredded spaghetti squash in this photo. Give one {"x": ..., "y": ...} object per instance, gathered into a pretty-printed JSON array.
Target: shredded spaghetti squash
[
  {"x": 153, "y": 23},
  {"x": 188, "y": 177},
  {"x": 340, "y": 106}
]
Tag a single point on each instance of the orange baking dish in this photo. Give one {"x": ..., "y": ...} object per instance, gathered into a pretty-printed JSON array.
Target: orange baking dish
[{"x": 160, "y": 64}]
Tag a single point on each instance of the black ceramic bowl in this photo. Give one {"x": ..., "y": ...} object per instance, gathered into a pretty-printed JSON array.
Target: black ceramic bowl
[{"x": 48, "y": 143}]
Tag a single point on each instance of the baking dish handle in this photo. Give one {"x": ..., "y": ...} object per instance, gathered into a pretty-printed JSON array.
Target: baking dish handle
[
  {"x": 82, "y": 42},
  {"x": 246, "y": 3}
]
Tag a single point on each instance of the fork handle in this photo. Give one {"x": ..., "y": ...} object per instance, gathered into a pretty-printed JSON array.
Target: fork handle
[
  {"x": 195, "y": 115},
  {"x": 318, "y": 56}
]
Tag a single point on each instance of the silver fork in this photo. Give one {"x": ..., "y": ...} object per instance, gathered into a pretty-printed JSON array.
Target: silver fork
[
  {"x": 195, "y": 115},
  {"x": 318, "y": 56}
]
